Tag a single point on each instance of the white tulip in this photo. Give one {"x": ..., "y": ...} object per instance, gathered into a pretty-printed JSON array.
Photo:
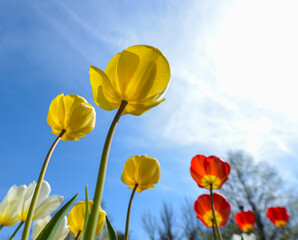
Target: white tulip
[
  {"x": 245, "y": 236},
  {"x": 10, "y": 204},
  {"x": 45, "y": 205},
  {"x": 39, "y": 225}
]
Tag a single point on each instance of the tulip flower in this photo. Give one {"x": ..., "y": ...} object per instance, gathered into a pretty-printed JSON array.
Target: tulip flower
[
  {"x": 76, "y": 218},
  {"x": 45, "y": 206},
  {"x": 134, "y": 81},
  {"x": 202, "y": 207},
  {"x": 245, "y": 220},
  {"x": 9, "y": 206},
  {"x": 138, "y": 75},
  {"x": 39, "y": 225},
  {"x": 244, "y": 236},
  {"x": 207, "y": 171},
  {"x": 73, "y": 114},
  {"x": 278, "y": 216},
  {"x": 141, "y": 170},
  {"x": 70, "y": 118}
]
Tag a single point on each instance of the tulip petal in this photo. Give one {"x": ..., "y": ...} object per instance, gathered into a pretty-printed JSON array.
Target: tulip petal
[
  {"x": 44, "y": 193},
  {"x": 9, "y": 206},
  {"x": 25, "y": 202},
  {"x": 47, "y": 207},
  {"x": 139, "y": 109},
  {"x": 104, "y": 94},
  {"x": 148, "y": 69},
  {"x": 56, "y": 113},
  {"x": 39, "y": 225},
  {"x": 80, "y": 116}
]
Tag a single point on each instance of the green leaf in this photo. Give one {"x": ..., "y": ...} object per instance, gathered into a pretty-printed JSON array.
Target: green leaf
[
  {"x": 112, "y": 234},
  {"x": 87, "y": 211},
  {"x": 48, "y": 233}
]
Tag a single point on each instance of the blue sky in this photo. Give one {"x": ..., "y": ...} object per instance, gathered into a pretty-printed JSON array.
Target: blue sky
[{"x": 232, "y": 87}]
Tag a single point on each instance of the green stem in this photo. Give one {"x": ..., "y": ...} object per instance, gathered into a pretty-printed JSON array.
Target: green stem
[
  {"x": 38, "y": 187},
  {"x": 213, "y": 230},
  {"x": 1, "y": 226},
  {"x": 77, "y": 237},
  {"x": 128, "y": 212},
  {"x": 15, "y": 232},
  {"x": 92, "y": 220},
  {"x": 214, "y": 216}
]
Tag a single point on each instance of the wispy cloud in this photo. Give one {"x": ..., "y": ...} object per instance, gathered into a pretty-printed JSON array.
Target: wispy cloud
[
  {"x": 233, "y": 68},
  {"x": 234, "y": 88}
]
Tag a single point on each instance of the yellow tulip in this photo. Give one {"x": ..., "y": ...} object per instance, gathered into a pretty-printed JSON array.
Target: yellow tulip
[
  {"x": 139, "y": 75},
  {"x": 73, "y": 114},
  {"x": 10, "y": 204},
  {"x": 76, "y": 218},
  {"x": 142, "y": 170}
]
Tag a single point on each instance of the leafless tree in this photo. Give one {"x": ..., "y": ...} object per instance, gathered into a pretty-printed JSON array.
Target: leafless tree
[{"x": 255, "y": 187}]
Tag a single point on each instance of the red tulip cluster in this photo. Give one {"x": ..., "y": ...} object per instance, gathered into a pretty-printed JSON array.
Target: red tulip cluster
[
  {"x": 213, "y": 209},
  {"x": 211, "y": 173}
]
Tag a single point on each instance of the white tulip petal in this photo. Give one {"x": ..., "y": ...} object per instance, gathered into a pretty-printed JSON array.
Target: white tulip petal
[
  {"x": 38, "y": 226},
  {"x": 10, "y": 204},
  {"x": 48, "y": 206},
  {"x": 44, "y": 193},
  {"x": 26, "y": 200},
  {"x": 62, "y": 230}
]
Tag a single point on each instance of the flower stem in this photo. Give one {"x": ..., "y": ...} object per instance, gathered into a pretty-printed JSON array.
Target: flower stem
[
  {"x": 213, "y": 230},
  {"x": 214, "y": 216},
  {"x": 38, "y": 187},
  {"x": 92, "y": 220},
  {"x": 128, "y": 212},
  {"x": 15, "y": 232},
  {"x": 1, "y": 226},
  {"x": 77, "y": 237}
]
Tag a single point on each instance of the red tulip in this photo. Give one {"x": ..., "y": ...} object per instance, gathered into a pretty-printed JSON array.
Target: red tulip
[
  {"x": 245, "y": 220},
  {"x": 209, "y": 170},
  {"x": 278, "y": 216},
  {"x": 202, "y": 207}
]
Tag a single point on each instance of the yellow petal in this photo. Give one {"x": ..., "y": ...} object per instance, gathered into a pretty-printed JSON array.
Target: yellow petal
[
  {"x": 144, "y": 71},
  {"x": 104, "y": 94},
  {"x": 139, "y": 109},
  {"x": 56, "y": 113}
]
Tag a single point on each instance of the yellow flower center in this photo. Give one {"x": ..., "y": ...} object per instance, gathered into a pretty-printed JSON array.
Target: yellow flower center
[
  {"x": 210, "y": 179},
  {"x": 208, "y": 217},
  {"x": 248, "y": 228},
  {"x": 280, "y": 223}
]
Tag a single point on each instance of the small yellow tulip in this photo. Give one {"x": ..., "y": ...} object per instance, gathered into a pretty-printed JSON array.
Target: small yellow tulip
[
  {"x": 76, "y": 218},
  {"x": 139, "y": 75},
  {"x": 73, "y": 114},
  {"x": 142, "y": 170}
]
